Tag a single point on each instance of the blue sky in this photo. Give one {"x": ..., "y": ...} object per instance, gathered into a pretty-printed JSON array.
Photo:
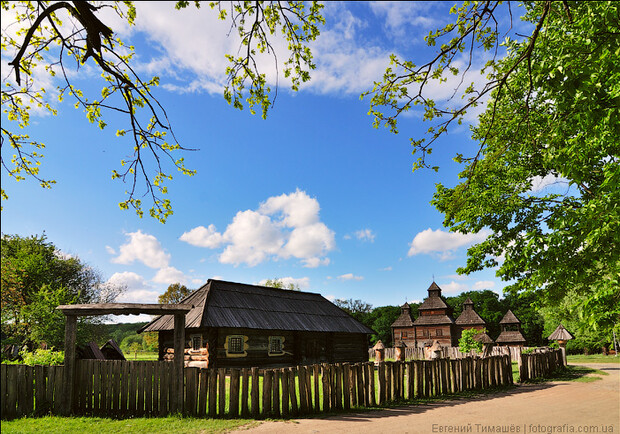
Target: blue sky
[{"x": 313, "y": 194}]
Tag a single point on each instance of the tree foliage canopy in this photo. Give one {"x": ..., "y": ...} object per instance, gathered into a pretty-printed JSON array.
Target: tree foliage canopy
[
  {"x": 174, "y": 294},
  {"x": 553, "y": 114},
  {"x": 52, "y": 38},
  {"x": 36, "y": 278},
  {"x": 279, "y": 283}
]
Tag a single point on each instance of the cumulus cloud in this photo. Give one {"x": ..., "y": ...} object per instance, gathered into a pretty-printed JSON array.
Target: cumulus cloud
[
  {"x": 137, "y": 288},
  {"x": 454, "y": 287},
  {"x": 170, "y": 275},
  {"x": 301, "y": 282},
  {"x": 399, "y": 15},
  {"x": 350, "y": 276},
  {"x": 144, "y": 248},
  {"x": 203, "y": 237},
  {"x": 283, "y": 227},
  {"x": 365, "y": 235},
  {"x": 483, "y": 284},
  {"x": 443, "y": 244}
]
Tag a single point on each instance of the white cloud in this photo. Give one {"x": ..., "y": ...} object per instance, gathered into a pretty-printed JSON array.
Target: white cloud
[
  {"x": 330, "y": 297},
  {"x": 540, "y": 183},
  {"x": 400, "y": 15},
  {"x": 350, "y": 276},
  {"x": 453, "y": 287},
  {"x": 301, "y": 282},
  {"x": 483, "y": 284},
  {"x": 110, "y": 250},
  {"x": 315, "y": 262},
  {"x": 284, "y": 226},
  {"x": 137, "y": 288},
  {"x": 443, "y": 244},
  {"x": 386, "y": 269},
  {"x": 251, "y": 237},
  {"x": 365, "y": 235},
  {"x": 298, "y": 209},
  {"x": 456, "y": 277},
  {"x": 343, "y": 64},
  {"x": 170, "y": 275},
  {"x": 203, "y": 237},
  {"x": 144, "y": 248}
]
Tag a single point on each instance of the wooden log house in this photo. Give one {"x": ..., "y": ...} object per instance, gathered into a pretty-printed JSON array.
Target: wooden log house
[{"x": 239, "y": 325}]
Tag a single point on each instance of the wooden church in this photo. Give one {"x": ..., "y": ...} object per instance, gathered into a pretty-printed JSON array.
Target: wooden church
[{"x": 435, "y": 322}]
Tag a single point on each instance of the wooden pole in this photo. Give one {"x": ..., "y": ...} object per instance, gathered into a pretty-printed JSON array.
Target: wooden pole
[
  {"x": 179, "y": 356},
  {"x": 69, "y": 364}
]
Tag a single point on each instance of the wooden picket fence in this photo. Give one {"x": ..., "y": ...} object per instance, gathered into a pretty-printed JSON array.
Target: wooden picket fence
[
  {"x": 540, "y": 364},
  {"x": 414, "y": 353},
  {"x": 132, "y": 389}
]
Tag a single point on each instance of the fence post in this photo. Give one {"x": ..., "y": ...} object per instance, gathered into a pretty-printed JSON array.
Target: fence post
[
  {"x": 69, "y": 363},
  {"x": 178, "y": 363},
  {"x": 346, "y": 387},
  {"x": 292, "y": 391}
]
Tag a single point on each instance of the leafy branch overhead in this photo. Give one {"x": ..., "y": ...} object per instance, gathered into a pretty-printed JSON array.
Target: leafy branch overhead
[
  {"x": 52, "y": 39},
  {"x": 552, "y": 117}
]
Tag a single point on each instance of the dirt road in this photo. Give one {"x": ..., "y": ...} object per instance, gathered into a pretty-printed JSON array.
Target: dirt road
[{"x": 558, "y": 407}]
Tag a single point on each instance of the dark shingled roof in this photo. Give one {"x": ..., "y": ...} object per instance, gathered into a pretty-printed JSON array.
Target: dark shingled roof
[
  {"x": 434, "y": 300},
  {"x": 404, "y": 320},
  {"x": 469, "y": 315},
  {"x": 510, "y": 337},
  {"x": 560, "y": 333},
  {"x": 433, "y": 320},
  {"x": 237, "y": 305},
  {"x": 484, "y": 338},
  {"x": 510, "y": 318}
]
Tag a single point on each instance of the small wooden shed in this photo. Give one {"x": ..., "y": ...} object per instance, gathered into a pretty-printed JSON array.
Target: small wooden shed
[
  {"x": 469, "y": 319},
  {"x": 511, "y": 335},
  {"x": 239, "y": 325}
]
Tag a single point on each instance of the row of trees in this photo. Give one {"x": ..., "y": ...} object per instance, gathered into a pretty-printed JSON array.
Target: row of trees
[{"x": 536, "y": 324}]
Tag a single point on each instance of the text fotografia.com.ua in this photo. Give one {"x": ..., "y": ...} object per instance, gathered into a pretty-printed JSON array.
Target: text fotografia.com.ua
[{"x": 524, "y": 428}]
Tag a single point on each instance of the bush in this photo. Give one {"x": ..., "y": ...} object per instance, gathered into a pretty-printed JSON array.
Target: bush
[
  {"x": 43, "y": 357},
  {"x": 468, "y": 341}
]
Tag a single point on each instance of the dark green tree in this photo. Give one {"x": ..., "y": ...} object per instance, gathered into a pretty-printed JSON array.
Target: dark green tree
[
  {"x": 36, "y": 278},
  {"x": 380, "y": 319},
  {"x": 486, "y": 304},
  {"x": 553, "y": 115},
  {"x": 174, "y": 294}
]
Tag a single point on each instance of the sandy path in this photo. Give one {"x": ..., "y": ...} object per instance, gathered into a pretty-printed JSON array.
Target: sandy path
[{"x": 552, "y": 407}]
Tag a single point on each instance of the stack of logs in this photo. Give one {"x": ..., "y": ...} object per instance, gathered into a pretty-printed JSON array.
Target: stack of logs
[{"x": 193, "y": 358}]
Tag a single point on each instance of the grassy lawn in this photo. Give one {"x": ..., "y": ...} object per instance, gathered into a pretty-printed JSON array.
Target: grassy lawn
[
  {"x": 594, "y": 358},
  {"x": 579, "y": 374},
  {"x": 170, "y": 425},
  {"x": 142, "y": 355}
]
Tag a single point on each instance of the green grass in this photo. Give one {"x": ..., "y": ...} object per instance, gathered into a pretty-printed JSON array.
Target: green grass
[
  {"x": 142, "y": 355},
  {"x": 169, "y": 425},
  {"x": 594, "y": 358},
  {"x": 579, "y": 374}
]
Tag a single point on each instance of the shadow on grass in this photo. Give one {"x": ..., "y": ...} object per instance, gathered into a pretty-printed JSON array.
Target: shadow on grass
[{"x": 581, "y": 374}]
